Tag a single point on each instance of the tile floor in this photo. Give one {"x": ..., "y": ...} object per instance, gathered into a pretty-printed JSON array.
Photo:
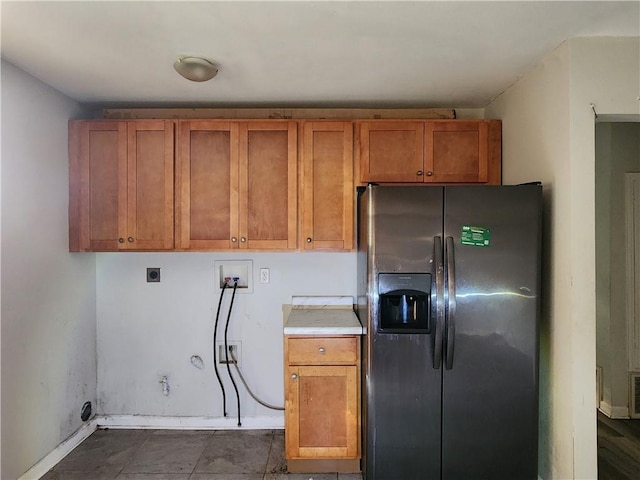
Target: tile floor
[{"x": 181, "y": 455}]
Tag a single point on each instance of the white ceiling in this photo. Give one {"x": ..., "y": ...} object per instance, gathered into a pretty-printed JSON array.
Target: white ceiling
[{"x": 297, "y": 54}]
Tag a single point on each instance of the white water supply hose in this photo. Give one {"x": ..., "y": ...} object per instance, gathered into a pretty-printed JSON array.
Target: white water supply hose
[{"x": 261, "y": 402}]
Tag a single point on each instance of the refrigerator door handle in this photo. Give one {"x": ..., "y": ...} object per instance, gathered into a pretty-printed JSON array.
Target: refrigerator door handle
[
  {"x": 439, "y": 326},
  {"x": 450, "y": 323}
]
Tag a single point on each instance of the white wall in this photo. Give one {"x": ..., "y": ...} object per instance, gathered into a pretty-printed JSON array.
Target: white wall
[
  {"x": 618, "y": 151},
  {"x": 548, "y": 134},
  {"x": 604, "y": 72},
  {"x": 535, "y": 119},
  {"x": 48, "y": 294},
  {"x": 147, "y": 330}
]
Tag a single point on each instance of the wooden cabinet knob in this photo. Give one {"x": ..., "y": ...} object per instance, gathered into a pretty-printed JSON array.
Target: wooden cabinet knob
[
  {"x": 243, "y": 239},
  {"x": 419, "y": 172},
  {"x": 294, "y": 377},
  {"x": 130, "y": 239},
  {"x": 429, "y": 173},
  {"x": 121, "y": 240},
  {"x": 234, "y": 239},
  {"x": 321, "y": 350},
  {"x": 309, "y": 240}
]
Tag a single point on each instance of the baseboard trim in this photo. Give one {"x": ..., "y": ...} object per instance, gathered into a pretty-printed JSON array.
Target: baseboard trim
[
  {"x": 190, "y": 423},
  {"x": 612, "y": 411},
  {"x": 61, "y": 451}
]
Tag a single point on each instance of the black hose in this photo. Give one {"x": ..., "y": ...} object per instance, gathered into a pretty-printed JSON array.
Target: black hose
[
  {"x": 226, "y": 349},
  {"x": 215, "y": 360}
]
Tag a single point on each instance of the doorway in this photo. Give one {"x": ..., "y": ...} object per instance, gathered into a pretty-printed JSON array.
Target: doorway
[{"x": 617, "y": 291}]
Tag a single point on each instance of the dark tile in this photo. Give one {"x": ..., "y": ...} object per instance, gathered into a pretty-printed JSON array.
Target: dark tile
[
  {"x": 254, "y": 433},
  {"x": 183, "y": 432},
  {"x": 225, "y": 476},
  {"x": 349, "y": 476},
  {"x": 236, "y": 451},
  {"x": 277, "y": 462},
  {"x": 104, "y": 452},
  {"x": 301, "y": 476},
  {"x": 153, "y": 476},
  {"x": 177, "y": 453},
  {"x": 95, "y": 475}
]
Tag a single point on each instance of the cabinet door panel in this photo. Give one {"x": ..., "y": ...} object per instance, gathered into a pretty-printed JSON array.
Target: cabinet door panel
[
  {"x": 150, "y": 186},
  {"x": 456, "y": 152},
  {"x": 102, "y": 166},
  {"x": 207, "y": 185},
  {"x": 391, "y": 151},
  {"x": 267, "y": 185},
  {"x": 327, "y": 186},
  {"x": 323, "y": 422}
]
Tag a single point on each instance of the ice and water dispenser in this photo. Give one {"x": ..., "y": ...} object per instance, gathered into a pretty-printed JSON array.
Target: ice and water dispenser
[{"x": 405, "y": 302}]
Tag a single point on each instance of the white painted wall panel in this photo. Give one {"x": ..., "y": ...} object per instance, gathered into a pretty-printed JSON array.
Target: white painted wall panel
[
  {"x": 549, "y": 134},
  {"x": 147, "y": 330},
  {"x": 535, "y": 132},
  {"x": 48, "y": 294}
]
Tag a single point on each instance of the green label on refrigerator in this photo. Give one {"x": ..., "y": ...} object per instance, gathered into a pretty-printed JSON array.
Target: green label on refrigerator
[{"x": 476, "y": 236}]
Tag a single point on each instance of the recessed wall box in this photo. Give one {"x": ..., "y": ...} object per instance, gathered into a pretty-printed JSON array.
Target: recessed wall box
[{"x": 228, "y": 270}]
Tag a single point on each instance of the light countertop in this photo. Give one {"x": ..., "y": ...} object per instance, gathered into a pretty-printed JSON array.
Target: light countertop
[{"x": 322, "y": 318}]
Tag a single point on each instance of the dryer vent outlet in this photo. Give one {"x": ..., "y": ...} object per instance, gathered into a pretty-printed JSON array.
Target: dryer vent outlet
[{"x": 85, "y": 412}]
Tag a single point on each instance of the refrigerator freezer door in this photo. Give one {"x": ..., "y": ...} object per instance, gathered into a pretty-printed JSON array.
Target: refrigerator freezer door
[
  {"x": 402, "y": 388},
  {"x": 490, "y": 394}
]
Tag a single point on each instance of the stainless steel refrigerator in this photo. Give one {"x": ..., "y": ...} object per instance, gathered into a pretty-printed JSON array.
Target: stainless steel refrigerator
[{"x": 449, "y": 294}]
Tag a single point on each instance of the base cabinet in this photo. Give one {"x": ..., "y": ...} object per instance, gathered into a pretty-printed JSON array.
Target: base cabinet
[{"x": 322, "y": 401}]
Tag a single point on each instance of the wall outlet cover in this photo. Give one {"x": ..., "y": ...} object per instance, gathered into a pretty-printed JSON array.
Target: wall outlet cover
[{"x": 153, "y": 274}]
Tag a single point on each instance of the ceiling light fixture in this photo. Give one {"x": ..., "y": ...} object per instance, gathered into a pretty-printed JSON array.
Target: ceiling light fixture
[{"x": 196, "y": 69}]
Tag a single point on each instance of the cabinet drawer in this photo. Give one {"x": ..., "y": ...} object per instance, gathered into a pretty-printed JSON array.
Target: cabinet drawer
[{"x": 322, "y": 351}]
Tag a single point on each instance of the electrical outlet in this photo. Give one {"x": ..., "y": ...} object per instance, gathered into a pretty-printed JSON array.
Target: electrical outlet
[
  {"x": 235, "y": 350},
  {"x": 153, "y": 274},
  {"x": 264, "y": 275}
]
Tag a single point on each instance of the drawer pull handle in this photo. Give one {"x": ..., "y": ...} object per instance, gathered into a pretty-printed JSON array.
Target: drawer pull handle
[
  {"x": 234, "y": 239},
  {"x": 321, "y": 350},
  {"x": 130, "y": 239},
  {"x": 294, "y": 377},
  {"x": 429, "y": 173}
]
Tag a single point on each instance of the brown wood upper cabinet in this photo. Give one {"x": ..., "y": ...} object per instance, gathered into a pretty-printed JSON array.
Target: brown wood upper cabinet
[
  {"x": 236, "y": 184},
  {"x": 121, "y": 185},
  {"x": 431, "y": 151},
  {"x": 327, "y": 190}
]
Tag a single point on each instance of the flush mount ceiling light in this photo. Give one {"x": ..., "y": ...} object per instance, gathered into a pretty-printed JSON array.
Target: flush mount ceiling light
[{"x": 196, "y": 69}]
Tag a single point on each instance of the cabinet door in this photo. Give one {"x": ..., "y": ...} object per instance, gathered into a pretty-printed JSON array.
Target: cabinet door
[
  {"x": 391, "y": 151},
  {"x": 97, "y": 170},
  {"x": 149, "y": 224},
  {"x": 327, "y": 189},
  {"x": 322, "y": 412},
  {"x": 267, "y": 185},
  {"x": 207, "y": 185},
  {"x": 457, "y": 152},
  {"x": 121, "y": 185}
]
